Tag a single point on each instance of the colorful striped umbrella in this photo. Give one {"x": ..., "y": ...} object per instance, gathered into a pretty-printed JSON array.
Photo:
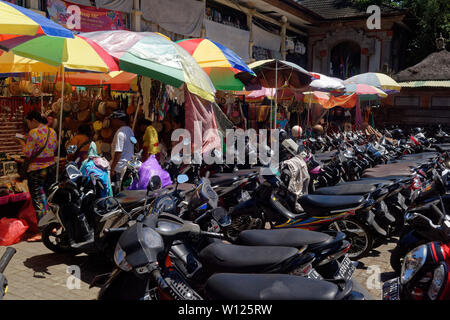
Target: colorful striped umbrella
[
  {"x": 78, "y": 53},
  {"x": 365, "y": 91},
  {"x": 153, "y": 55},
  {"x": 16, "y": 20},
  {"x": 378, "y": 80},
  {"x": 218, "y": 61}
]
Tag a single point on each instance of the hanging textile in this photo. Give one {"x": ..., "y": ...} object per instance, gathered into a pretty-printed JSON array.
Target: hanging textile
[
  {"x": 230, "y": 37},
  {"x": 182, "y": 16},
  {"x": 265, "y": 39},
  {"x": 201, "y": 123}
]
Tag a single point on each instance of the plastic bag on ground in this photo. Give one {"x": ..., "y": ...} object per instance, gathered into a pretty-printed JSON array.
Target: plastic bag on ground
[
  {"x": 147, "y": 170},
  {"x": 12, "y": 231}
]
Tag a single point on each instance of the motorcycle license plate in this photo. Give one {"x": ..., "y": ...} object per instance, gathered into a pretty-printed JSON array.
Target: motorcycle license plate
[
  {"x": 313, "y": 274},
  {"x": 346, "y": 268},
  {"x": 391, "y": 289},
  {"x": 245, "y": 196}
]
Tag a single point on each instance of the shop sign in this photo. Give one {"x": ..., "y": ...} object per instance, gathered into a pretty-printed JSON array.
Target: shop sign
[{"x": 83, "y": 18}]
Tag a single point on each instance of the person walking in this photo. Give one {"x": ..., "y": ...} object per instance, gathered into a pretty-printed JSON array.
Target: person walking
[
  {"x": 122, "y": 146},
  {"x": 40, "y": 147}
]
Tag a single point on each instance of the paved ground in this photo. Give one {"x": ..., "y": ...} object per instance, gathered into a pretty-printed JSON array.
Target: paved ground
[{"x": 36, "y": 273}]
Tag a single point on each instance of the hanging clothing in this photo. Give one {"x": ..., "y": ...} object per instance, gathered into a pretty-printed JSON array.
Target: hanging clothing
[{"x": 151, "y": 141}]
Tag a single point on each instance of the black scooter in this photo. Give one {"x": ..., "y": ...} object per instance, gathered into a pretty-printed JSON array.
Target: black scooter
[{"x": 4, "y": 261}]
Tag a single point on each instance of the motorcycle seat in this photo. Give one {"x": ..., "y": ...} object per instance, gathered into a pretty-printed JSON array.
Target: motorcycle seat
[
  {"x": 226, "y": 286},
  {"x": 131, "y": 198},
  {"x": 372, "y": 181},
  {"x": 223, "y": 181},
  {"x": 323, "y": 205},
  {"x": 284, "y": 237},
  {"x": 222, "y": 257},
  {"x": 347, "y": 189}
]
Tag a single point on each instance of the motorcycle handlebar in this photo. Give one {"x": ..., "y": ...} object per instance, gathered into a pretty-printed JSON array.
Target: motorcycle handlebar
[{"x": 6, "y": 258}]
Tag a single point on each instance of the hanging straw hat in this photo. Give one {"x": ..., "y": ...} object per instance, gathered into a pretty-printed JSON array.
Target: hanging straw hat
[
  {"x": 56, "y": 106},
  {"x": 98, "y": 125},
  {"x": 75, "y": 107},
  {"x": 106, "y": 133},
  {"x": 84, "y": 115},
  {"x": 106, "y": 123},
  {"x": 14, "y": 88},
  {"x": 36, "y": 92},
  {"x": 102, "y": 108}
]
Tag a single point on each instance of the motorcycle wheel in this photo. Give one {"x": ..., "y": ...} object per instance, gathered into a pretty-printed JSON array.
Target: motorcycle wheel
[
  {"x": 57, "y": 242},
  {"x": 357, "y": 233}
]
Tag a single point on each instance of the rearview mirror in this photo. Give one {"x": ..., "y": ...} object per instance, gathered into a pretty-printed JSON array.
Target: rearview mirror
[
  {"x": 182, "y": 178},
  {"x": 71, "y": 149},
  {"x": 154, "y": 183}
]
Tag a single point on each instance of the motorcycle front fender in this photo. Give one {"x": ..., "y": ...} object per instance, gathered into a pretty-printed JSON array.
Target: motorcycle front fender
[{"x": 47, "y": 219}]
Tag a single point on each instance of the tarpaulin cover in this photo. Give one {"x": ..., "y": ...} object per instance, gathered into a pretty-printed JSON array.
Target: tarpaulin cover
[
  {"x": 149, "y": 169},
  {"x": 328, "y": 101},
  {"x": 201, "y": 123},
  {"x": 182, "y": 16}
]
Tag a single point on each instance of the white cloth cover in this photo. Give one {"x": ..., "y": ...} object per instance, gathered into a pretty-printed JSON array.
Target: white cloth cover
[
  {"x": 117, "y": 5},
  {"x": 265, "y": 39},
  {"x": 233, "y": 38},
  {"x": 181, "y": 16},
  {"x": 299, "y": 178}
]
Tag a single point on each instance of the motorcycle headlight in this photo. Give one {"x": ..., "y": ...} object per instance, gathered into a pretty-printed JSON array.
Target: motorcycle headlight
[
  {"x": 119, "y": 259},
  {"x": 439, "y": 280},
  {"x": 412, "y": 263}
]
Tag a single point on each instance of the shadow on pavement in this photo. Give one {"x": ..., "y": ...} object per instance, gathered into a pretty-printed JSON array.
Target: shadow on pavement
[{"x": 90, "y": 266}]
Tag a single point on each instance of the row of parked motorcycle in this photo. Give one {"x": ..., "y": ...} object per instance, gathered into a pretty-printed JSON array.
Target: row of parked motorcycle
[{"x": 241, "y": 232}]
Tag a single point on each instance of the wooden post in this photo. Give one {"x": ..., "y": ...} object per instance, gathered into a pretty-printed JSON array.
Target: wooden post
[
  {"x": 283, "y": 36},
  {"x": 250, "y": 14}
]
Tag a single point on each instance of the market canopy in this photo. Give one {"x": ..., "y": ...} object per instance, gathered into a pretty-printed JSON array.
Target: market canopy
[
  {"x": 218, "y": 61},
  {"x": 154, "y": 56},
  {"x": 328, "y": 101},
  {"x": 275, "y": 73},
  {"x": 76, "y": 53},
  {"x": 269, "y": 93},
  {"x": 325, "y": 83},
  {"x": 364, "y": 91},
  {"x": 377, "y": 80}
]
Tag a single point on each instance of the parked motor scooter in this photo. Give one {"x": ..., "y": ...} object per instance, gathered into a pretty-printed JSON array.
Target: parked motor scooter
[{"x": 4, "y": 261}]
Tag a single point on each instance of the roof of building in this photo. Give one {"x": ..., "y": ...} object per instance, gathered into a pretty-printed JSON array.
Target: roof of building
[
  {"x": 434, "y": 67},
  {"x": 426, "y": 84},
  {"x": 340, "y": 9}
]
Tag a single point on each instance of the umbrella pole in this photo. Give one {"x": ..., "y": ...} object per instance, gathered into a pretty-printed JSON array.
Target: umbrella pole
[
  {"x": 60, "y": 123},
  {"x": 276, "y": 96},
  {"x": 308, "y": 111},
  {"x": 42, "y": 97}
]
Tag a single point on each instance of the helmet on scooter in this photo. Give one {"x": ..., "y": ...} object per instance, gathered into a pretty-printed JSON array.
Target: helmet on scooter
[
  {"x": 296, "y": 131},
  {"x": 397, "y": 134}
]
